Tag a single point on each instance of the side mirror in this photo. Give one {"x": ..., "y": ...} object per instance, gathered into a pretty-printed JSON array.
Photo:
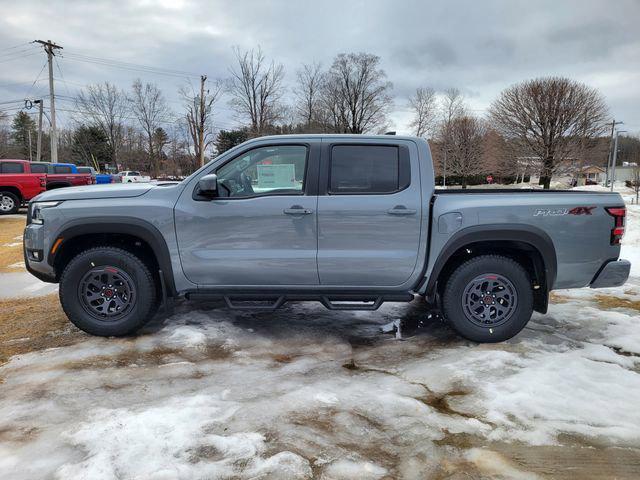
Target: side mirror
[{"x": 208, "y": 185}]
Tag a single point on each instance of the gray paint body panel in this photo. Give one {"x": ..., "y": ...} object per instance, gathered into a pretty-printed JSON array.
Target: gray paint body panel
[{"x": 347, "y": 243}]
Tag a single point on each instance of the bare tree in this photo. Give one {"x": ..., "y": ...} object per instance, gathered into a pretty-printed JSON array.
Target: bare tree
[
  {"x": 150, "y": 108},
  {"x": 635, "y": 180},
  {"x": 466, "y": 146},
  {"x": 4, "y": 134},
  {"x": 106, "y": 107},
  {"x": 551, "y": 116},
  {"x": 199, "y": 115},
  {"x": 256, "y": 88},
  {"x": 423, "y": 104},
  {"x": 451, "y": 107},
  {"x": 356, "y": 93},
  {"x": 308, "y": 92}
]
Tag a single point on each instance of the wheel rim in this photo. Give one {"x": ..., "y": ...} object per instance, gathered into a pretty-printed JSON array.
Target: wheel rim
[
  {"x": 107, "y": 293},
  {"x": 7, "y": 204},
  {"x": 489, "y": 300}
]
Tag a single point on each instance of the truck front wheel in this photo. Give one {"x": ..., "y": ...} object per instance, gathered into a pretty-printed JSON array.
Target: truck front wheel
[
  {"x": 108, "y": 291},
  {"x": 488, "y": 299},
  {"x": 9, "y": 203}
]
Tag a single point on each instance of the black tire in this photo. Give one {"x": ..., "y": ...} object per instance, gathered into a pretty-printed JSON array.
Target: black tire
[
  {"x": 461, "y": 296},
  {"x": 10, "y": 203},
  {"x": 78, "y": 292}
]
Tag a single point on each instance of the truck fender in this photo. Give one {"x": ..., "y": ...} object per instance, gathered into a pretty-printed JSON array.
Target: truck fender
[
  {"x": 123, "y": 225},
  {"x": 533, "y": 236}
]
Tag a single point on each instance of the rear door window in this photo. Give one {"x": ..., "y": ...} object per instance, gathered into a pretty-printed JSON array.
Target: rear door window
[
  {"x": 11, "y": 167},
  {"x": 365, "y": 169},
  {"x": 38, "y": 168},
  {"x": 62, "y": 169}
]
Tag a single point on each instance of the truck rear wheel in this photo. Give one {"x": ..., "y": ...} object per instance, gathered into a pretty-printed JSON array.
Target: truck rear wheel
[
  {"x": 488, "y": 299},
  {"x": 108, "y": 291},
  {"x": 9, "y": 203}
]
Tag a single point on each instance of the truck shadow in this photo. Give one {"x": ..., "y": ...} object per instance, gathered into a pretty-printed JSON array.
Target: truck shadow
[{"x": 313, "y": 320}]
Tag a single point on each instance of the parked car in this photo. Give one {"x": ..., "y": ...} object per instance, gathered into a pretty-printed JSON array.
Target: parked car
[
  {"x": 351, "y": 221},
  {"x": 132, "y": 176},
  {"x": 18, "y": 184},
  {"x": 61, "y": 175},
  {"x": 98, "y": 178}
]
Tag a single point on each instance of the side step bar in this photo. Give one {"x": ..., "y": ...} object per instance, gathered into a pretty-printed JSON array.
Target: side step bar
[{"x": 267, "y": 301}]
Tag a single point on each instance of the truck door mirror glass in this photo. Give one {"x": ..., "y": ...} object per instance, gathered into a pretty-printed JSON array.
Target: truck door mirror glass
[{"x": 208, "y": 185}]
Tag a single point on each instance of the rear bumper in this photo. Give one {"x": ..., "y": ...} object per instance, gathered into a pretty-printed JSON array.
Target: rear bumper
[{"x": 612, "y": 274}]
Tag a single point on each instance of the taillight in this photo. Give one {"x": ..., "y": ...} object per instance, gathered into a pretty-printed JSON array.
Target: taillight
[
  {"x": 43, "y": 182},
  {"x": 617, "y": 232}
]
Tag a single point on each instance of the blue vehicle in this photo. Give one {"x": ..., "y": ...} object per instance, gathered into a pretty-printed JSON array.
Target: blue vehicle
[{"x": 98, "y": 178}]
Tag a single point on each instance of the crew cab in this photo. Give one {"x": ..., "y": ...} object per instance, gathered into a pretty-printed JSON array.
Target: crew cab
[
  {"x": 351, "y": 221},
  {"x": 61, "y": 175},
  {"x": 132, "y": 176},
  {"x": 18, "y": 184}
]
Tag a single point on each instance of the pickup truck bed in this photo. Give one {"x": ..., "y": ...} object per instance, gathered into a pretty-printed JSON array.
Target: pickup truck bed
[{"x": 351, "y": 221}]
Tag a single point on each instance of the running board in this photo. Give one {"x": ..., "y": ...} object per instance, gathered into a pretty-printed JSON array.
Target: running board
[{"x": 273, "y": 301}]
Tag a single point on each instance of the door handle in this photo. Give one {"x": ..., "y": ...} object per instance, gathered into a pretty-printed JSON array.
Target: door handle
[
  {"x": 401, "y": 210},
  {"x": 297, "y": 210}
]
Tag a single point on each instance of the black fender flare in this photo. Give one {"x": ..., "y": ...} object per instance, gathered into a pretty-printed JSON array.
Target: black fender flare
[
  {"x": 123, "y": 225},
  {"x": 533, "y": 236}
]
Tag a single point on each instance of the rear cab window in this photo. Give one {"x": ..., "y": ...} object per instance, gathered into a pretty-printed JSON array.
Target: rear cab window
[
  {"x": 11, "y": 167},
  {"x": 368, "y": 169},
  {"x": 62, "y": 169}
]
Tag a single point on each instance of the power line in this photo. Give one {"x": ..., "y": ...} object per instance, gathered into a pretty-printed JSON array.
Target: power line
[
  {"x": 62, "y": 76},
  {"x": 22, "y": 51},
  {"x": 18, "y": 57},
  {"x": 15, "y": 46},
  {"x": 129, "y": 66},
  {"x": 36, "y": 80},
  {"x": 26, "y": 82}
]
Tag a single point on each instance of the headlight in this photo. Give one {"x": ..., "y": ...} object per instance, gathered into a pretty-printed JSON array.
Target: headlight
[{"x": 36, "y": 210}]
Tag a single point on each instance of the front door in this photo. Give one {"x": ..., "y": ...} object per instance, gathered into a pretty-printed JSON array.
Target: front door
[
  {"x": 369, "y": 218},
  {"x": 261, "y": 229}
]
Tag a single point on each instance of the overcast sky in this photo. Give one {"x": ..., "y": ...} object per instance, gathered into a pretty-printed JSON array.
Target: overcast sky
[{"x": 480, "y": 47}]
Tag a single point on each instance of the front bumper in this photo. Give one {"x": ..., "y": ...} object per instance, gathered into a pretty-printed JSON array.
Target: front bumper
[
  {"x": 612, "y": 274},
  {"x": 34, "y": 241}
]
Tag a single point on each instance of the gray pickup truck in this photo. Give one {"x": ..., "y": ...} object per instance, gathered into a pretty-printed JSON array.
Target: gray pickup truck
[{"x": 350, "y": 221}]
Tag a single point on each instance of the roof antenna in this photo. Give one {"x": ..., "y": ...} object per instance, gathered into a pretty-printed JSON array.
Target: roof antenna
[{"x": 390, "y": 133}]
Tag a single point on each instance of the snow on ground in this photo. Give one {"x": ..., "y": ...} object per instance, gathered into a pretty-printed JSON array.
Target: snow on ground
[
  {"x": 22, "y": 284},
  {"x": 309, "y": 393}
]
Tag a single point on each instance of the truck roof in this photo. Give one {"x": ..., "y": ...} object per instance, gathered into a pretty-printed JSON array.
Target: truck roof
[
  {"x": 354, "y": 136},
  {"x": 14, "y": 160}
]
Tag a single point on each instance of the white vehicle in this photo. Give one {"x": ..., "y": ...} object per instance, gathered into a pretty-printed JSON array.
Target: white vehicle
[{"x": 132, "y": 176}]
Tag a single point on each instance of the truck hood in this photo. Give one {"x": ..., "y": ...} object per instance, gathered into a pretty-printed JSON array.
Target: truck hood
[{"x": 112, "y": 190}]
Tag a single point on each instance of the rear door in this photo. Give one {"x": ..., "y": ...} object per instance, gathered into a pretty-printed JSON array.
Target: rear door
[{"x": 369, "y": 213}]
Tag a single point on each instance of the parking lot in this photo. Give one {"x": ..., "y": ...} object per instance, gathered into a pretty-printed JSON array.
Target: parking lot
[{"x": 310, "y": 393}]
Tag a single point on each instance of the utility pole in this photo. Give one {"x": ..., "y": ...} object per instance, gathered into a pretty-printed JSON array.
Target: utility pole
[
  {"x": 613, "y": 126},
  {"x": 49, "y": 48},
  {"x": 615, "y": 158},
  {"x": 39, "y": 144},
  {"x": 203, "y": 116},
  {"x": 30, "y": 147}
]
